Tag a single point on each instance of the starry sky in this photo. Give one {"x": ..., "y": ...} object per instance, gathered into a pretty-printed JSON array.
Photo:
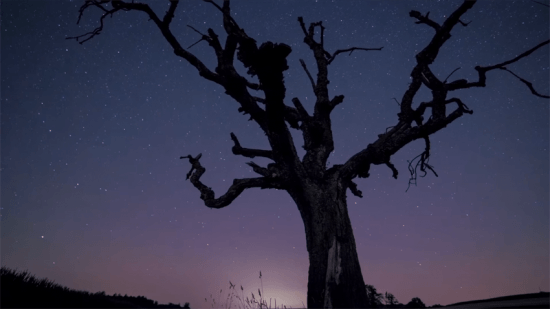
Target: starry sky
[{"x": 94, "y": 194}]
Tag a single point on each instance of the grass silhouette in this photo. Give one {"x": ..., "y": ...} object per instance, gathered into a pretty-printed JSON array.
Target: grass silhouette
[
  {"x": 23, "y": 290},
  {"x": 247, "y": 303}
]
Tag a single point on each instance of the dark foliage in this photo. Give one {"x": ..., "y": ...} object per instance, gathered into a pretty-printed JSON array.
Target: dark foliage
[
  {"x": 390, "y": 299},
  {"x": 23, "y": 290},
  {"x": 374, "y": 298},
  {"x": 415, "y": 303}
]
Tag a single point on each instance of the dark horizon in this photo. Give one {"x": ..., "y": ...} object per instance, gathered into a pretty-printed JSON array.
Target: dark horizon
[
  {"x": 94, "y": 194},
  {"x": 25, "y": 280}
]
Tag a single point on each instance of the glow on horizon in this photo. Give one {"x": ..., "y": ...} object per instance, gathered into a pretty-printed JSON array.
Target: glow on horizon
[{"x": 280, "y": 295}]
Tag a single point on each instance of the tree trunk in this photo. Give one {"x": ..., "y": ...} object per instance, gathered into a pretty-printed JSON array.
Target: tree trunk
[{"x": 332, "y": 283}]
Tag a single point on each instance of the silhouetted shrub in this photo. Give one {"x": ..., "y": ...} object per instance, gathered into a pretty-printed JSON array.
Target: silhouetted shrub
[
  {"x": 22, "y": 290},
  {"x": 374, "y": 298},
  {"x": 415, "y": 303}
]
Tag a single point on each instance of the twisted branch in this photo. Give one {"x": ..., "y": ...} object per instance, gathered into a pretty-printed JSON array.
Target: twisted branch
[
  {"x": 423, "y": 162},
  {"x": 89, "y": 35},
  {"x": 238, "y": 186}
]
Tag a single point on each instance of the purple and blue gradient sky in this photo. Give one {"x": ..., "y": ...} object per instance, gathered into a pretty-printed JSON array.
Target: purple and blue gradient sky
[{"x": 94, "y": 194}]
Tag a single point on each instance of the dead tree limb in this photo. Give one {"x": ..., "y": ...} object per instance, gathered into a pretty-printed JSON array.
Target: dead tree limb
[
  {"x": 482, "y": 71},
  {"x": 250, "y": 153},
  {"x": 238, "y": 186}
]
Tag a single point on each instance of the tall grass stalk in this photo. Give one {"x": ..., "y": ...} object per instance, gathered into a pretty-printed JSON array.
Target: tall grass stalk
[{"x": 247, "y": 303}]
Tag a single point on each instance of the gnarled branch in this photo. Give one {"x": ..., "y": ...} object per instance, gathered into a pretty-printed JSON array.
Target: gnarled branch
[
  {"x": 482, "y": 71},
  {"x": 238, "y": 186},
  {"x": 402, "y": 133},
  {"x": 89, "y": 35},
  {"x": 422, "y": 162}
]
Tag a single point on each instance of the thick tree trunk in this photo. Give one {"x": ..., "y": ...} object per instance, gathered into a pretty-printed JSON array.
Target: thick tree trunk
[{"x": 335, "y": 279}]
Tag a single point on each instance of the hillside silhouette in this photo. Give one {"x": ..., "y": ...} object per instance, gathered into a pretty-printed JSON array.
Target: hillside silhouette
[{"x": 23, "y": 290}]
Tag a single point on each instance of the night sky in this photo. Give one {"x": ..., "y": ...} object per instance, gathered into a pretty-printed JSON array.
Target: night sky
[{"x": 94, "y": 194}]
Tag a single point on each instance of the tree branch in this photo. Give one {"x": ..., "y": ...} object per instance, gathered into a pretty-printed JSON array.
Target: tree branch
[
  {"x": 335, "y": 101},
  {"x": 546, "y": 5},
  {"x": 445, "y": 81},
  {"x": 419, "y": 112},
  {"x": 89, "y": 35},
  {"x": 421, "y": 72},
  {"x": 291, "y": 115},
  {"x": 214, "y": 4},
  {"x": 304, "y": 116},
  {"x": 424, "y": 19},
  {"x": 482, "y": 71},
  {"x": 353, "y": 188},
  {"x": 393, "y": 169},
  {"x": 442, "y": 34},
  {"x": 238, "y": 186},
  {"x": 258, "y": 169},
  {"x": 253, "y": 86},
  {"x": 212, "y": 39},
  {"x": 523, "y": 55},
  {"x": 388, "y": 144},
  {"x": 308, "y": 74},
  {"x": 423, "y": 162},
  {"x": 350, "y": 50},
  {"x": 529, "y": 84},
  {"x": 249, "y": 153},
  {"x": 170, "y": 13},
  {"x": 178, "y": 50},
  {"x": 225, "y": 75},
  {"x": 204, "y": 37},
  {"x": 258, "y": 99},
  {"x": 429, "y": 22}
]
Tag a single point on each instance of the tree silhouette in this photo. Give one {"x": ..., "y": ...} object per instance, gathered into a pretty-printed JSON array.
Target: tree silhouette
[
  {"x": 334, "y": 278},
  {"x": 374, "y": 299},
  {"x": 390, "y": 300},
  {"x": 416, "y": 303}
]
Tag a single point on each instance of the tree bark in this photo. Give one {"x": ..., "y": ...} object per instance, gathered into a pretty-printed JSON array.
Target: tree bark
[{"x": 335, "y": 279}]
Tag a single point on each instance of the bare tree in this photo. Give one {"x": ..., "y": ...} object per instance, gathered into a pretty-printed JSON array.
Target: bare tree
[{"x": 335, "y": 278}]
